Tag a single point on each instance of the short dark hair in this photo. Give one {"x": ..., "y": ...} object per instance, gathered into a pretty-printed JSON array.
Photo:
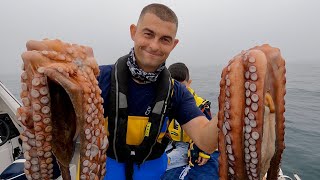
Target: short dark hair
[
  {"x": 179, "y": 71},
  {"x": 161, "y": 11}
]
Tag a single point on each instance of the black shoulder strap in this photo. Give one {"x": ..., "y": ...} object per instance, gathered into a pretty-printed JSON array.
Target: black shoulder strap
[
  {"x": 118, "y": 110},
  {"x": 156, "y": 117}
]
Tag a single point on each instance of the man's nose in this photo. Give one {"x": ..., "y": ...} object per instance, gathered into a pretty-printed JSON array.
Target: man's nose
[{"x": 154, "y": 45}]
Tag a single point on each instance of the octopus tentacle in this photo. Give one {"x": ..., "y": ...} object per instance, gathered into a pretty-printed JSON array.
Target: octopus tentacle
[
  {"x": 61, "y": 101},
  {"x": 232, "y": 97},
  {"x": 251, "y": 107},
  {"x": 42, "y": 128}
]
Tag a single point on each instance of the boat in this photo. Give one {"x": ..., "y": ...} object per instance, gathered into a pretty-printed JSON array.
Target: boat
[
  {"x": 11, "y": 156},
  {"x": 10, "y": 128}
]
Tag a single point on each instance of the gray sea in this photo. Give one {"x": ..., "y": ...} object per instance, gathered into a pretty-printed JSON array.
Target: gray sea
[{"x": 302, "y": 133}]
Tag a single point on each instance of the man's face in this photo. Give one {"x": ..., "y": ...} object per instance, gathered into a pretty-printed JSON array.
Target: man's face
[{"x": 154, "y": 39}]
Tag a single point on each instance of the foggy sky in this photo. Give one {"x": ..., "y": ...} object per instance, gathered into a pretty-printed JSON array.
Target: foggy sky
[{"x": 210, "y": 32}]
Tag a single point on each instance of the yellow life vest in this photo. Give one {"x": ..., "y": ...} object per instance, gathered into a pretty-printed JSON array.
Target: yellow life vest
[
  {"x": 135, "y": 139},
  {"x": 137, "y": 129},
  {"x": 175, "y": 130}
]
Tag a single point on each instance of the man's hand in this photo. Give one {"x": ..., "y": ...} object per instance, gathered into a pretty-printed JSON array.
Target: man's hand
[
  {"x": 202, "y": 161},
  {"x": 196, "y": 155}
]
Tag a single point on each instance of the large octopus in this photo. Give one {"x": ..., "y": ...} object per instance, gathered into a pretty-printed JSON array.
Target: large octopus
[
  {"x": 251, "y": 115},
  {"x": 61, "y": 101}
]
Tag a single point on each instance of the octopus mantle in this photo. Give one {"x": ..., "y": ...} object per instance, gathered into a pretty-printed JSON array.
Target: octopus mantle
[{"x": 61, "y": 102}]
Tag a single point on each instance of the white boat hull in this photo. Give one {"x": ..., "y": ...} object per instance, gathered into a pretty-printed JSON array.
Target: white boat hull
[{"x": 12, "y": 148}]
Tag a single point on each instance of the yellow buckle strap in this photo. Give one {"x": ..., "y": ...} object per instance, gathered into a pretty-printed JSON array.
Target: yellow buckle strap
[{"x": 203, "y": 155}]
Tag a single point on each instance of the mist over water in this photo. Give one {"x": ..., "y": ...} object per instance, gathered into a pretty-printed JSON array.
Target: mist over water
[{"x": 302, "y": 134}]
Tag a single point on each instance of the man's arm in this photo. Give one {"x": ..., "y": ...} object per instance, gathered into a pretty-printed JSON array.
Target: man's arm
[{"x": 203, "y": 132}]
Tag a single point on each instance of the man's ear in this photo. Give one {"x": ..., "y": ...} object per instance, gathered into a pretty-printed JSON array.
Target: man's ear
[
  {"x": 189, "y": 82},
  {"x": 175, "y": 42},
  {"x": 133, "y": 29}
]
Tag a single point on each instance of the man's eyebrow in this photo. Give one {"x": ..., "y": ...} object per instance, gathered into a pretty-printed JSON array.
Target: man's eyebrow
[{"x": 149, "y": 30}]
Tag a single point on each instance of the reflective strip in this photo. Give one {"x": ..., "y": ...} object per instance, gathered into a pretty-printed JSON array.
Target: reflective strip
[
  {"x": 16, "y": 176},
  {"x": 158, "y": 107},
  {"x": 122, "y": 101},
  {"x": 147, "y": 131},
  {"x": 116, "y": 117},
  {"x": 19, "y": 161}
]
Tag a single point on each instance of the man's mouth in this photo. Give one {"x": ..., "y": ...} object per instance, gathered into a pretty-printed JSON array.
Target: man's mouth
[{"x": 153, "y": 53}]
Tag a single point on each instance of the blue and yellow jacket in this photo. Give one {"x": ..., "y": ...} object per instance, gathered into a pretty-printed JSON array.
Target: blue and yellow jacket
[{"x": 175, "y": 130}]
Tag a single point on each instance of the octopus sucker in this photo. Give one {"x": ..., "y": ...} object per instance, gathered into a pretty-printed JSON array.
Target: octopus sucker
[
  {"x": 61, "y": 101},
  {"x": 251, "y": 114}
]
